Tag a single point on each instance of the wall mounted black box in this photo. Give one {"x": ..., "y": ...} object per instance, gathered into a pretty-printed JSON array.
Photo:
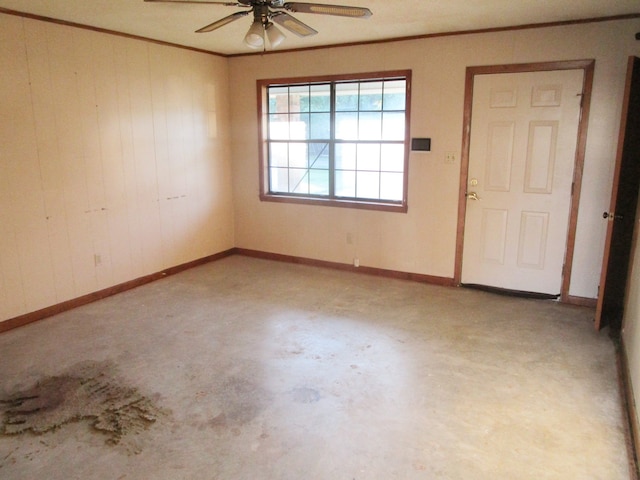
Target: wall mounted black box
[{"x": 421, "y": 144}]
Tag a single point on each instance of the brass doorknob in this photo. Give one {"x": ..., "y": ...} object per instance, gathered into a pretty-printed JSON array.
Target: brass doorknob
[{"x": 472, "y": 196}]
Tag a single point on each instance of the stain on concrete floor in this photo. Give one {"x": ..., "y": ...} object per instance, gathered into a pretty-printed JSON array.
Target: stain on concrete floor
[
  {"x": 88, "y": 391},
  {"x": 234, "y": 402},
  {"x": 305, "y": 395}
]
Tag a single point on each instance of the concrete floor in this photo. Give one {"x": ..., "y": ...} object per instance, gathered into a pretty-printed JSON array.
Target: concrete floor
[{"x": 265, "y": 370}]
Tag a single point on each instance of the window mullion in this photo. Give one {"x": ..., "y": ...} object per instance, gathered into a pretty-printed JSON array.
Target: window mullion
[
  {"x": 357, "y": 142},
  {"x": 332, "y": 140}
]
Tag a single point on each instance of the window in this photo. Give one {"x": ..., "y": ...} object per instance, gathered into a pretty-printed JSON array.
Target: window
[{"x": 340, "y": 140}]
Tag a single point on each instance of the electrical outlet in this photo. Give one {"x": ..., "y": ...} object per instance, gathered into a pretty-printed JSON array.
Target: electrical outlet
[{"x": 450, "y": 157}]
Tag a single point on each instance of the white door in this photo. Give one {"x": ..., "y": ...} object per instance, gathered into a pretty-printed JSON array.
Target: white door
[{"x": 524, "y": 129}]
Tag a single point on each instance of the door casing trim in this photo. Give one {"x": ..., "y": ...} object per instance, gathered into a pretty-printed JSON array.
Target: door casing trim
[{"x": 588, "y": 67}]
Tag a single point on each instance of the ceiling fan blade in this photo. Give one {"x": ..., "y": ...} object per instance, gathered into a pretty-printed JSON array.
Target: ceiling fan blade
[
  {"x": 223, "y": 21},
  {"x": 204, "y": 2},
  {"x": 292, "y": 24},
  {"x": 340, "y": 10}
]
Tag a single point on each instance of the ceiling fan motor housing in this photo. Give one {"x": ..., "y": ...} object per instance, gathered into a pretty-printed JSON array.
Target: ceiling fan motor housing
[{"x": 269, "y": 3}]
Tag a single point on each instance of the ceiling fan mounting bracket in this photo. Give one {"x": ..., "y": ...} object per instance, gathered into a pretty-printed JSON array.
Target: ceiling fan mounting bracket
[{"x": 261, "y": 14}]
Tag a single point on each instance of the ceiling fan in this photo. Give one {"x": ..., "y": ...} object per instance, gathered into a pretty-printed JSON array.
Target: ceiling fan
[{"x": 266, "y": 12}]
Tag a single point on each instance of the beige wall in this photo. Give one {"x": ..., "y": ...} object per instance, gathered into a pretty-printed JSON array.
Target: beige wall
[
  {"x": 114, "y": 161},
  {"x": 423, "y": 240}
]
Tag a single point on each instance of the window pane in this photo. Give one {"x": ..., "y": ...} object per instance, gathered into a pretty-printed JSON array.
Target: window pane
[
  {"x": 370, "y": 126},
  {"x": 319, "y": 182},
  {"x": 298, "y": 180},
  {"x": 320, "y": 98},
  {"x": 392, "y": 157},
  {"x": 347, "y": 126},
  {"x": 279, "y": 154},
  {"x": 368, "y": 185},
  {"x": 393, "y": 126},
  {"x": 299, "y": 126},
  {"x": 278, "y": 99},
  {"x": 391, "y": 186},
  {"x": 346, "y": 97},
  {"x": 369, "y": 156},
  {"x": 298, "y": 155},
  {"x": 279, "y": 180},
  {"x": 346, "y": 156},
  {"x": 279, "y": 127},
  {"x": 320, "y": 127},
  {"x": 394, "y": 94},
  {"x": 371, "y": 96},
  {"x": 319, "y": 155},
  {"x": 299, "y": 98},
  {"x": 345, "y": 183}
]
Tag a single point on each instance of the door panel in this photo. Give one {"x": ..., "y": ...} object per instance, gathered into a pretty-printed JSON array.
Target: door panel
[
  {"x": 533, "y": 239},
  {"x": 494, "y": 235},
  {"x": 499, "y": 156},
  {"x": 541, "y": 153},
  {"x": 524, "y": 129}
]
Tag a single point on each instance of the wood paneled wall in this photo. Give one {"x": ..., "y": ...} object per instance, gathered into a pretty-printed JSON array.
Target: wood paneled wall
[{"x": 114, "y": 161}]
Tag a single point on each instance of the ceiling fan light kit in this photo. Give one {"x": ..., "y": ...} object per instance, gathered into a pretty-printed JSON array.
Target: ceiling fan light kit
[
  {"x": 275, "y": 36},
  {"x": 265, "y": 12},
  {"x": 254, "y": 37}
]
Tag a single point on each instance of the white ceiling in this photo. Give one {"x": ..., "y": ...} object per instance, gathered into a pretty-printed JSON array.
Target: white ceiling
[{"x": 176, "y": 23}]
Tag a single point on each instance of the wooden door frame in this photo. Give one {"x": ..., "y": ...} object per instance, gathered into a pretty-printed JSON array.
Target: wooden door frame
[{"x": 588, "y": 68}]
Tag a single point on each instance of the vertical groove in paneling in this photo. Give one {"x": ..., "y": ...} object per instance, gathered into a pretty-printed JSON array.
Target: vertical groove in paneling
[
  {"x": 129, "y": 262},
  {"x": 29, "y": 224},
  {"x": 161, "y": 151},
  {"x": 148, "y": 238},
  {"x": 10, "y": 303},
  {"x": 46, "y": 130},
  {"x": 67, "y": 76},
  {"x": 107, "y": 162}
]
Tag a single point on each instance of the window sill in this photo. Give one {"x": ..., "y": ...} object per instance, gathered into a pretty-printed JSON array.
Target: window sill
[{"x": 332, "y": 202}]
